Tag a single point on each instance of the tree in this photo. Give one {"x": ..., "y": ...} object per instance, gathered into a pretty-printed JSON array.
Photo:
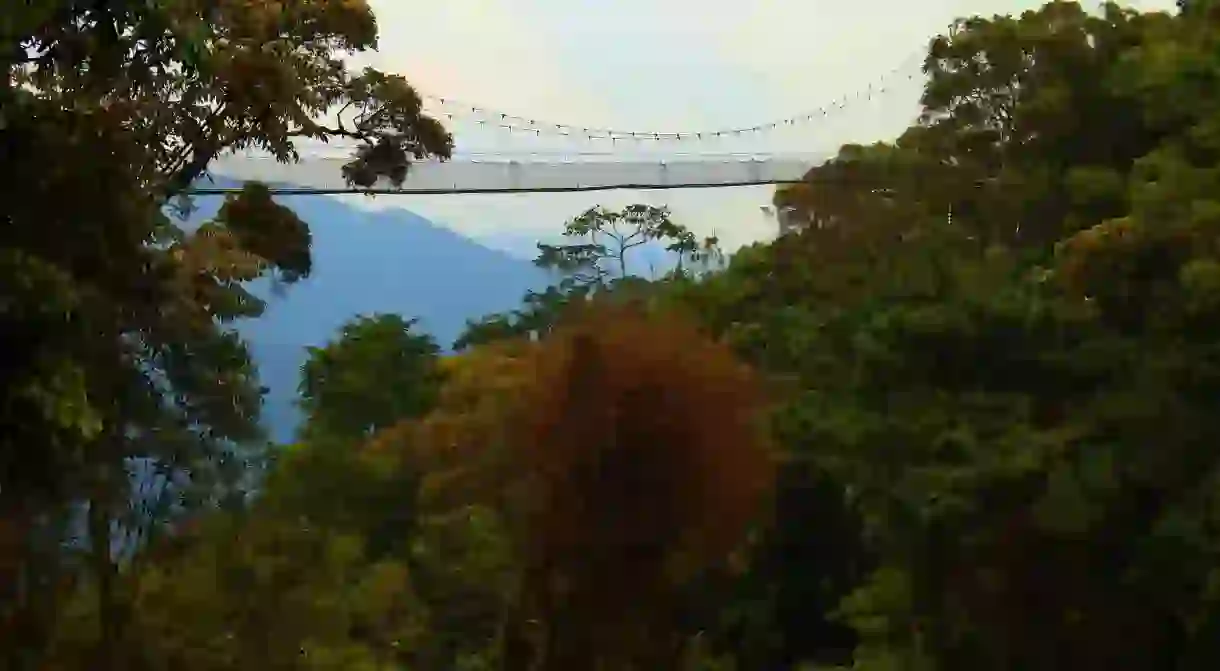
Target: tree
[
  {"x": 426, "y": 491},
  {"x": 625, "y": 407},
  {"x": 1029, "y": 106},
  {"x": 376, "y": 374},
  {"x": 1002, "y": 424},
  {"x": 595, "y": 262},
  {"x": 999, "y": 417},
  {"x": 471, "y": 497},
  {"x": 519, "y": 431},
  {"x": 1021, "y": 129},
  {"x": 206, "y": 78},
  {"x": 602, "y": 237},
  {"x": 135, "y": 100},
  {"x": 539, "y": 313},
  {"x": 262, "y": 591}
]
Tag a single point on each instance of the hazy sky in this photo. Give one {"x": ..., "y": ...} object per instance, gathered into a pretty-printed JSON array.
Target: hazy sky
[{"x": 665, "y": 65}]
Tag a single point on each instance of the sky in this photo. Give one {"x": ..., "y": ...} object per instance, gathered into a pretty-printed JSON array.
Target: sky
[{"x": 658, "y": 65}]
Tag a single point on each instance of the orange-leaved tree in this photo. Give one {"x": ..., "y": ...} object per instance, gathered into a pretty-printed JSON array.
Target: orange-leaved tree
[{"x": 646, "y": 460}]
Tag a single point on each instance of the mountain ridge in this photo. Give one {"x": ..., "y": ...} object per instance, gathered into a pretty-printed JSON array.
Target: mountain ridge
[{"x": 364, "y": 262}]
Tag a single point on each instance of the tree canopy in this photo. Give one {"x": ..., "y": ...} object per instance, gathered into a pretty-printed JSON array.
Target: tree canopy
[{"x": 961, "y": 416}]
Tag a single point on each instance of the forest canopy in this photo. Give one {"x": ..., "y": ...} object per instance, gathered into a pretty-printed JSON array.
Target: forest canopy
[{"x": 963, "y": 416}]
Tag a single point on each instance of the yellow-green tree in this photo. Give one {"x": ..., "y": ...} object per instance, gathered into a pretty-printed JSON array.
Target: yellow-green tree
[
  {"x": 472, "y": 493},
  {"x": 264, "y": 591}
]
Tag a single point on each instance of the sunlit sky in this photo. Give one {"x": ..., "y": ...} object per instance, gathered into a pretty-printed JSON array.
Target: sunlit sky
[{"x": 664, "y": 65}]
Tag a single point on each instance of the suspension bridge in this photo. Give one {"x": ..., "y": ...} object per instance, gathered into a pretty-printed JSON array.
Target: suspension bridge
[
  {"x": 635, "y": 159},
  {"x": 506, "y": 173}
]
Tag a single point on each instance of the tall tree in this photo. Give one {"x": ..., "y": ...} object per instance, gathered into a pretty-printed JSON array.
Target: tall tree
[
  {"x": 111, "y": 110},
  {"x": 626, "y": 407},
  {"x": 594, "y": 260},
  {"x": 379, "y": 373},
  {"x": 602, "y": 240}
]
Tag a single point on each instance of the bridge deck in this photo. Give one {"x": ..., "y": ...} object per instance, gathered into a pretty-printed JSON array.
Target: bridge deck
[{"x": 477, "y": 175}]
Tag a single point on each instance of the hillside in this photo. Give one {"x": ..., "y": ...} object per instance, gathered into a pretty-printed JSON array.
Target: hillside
[{"x": 364, "y": 262}]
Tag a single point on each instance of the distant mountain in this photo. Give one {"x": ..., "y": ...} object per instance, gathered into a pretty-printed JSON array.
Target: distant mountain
[{"x": 364, "y": 261}]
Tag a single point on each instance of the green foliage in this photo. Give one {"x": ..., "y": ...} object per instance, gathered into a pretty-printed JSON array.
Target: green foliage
[
  {"x": 211, "y": 77},
  {"x": 1020, "y": 427},
  {"x": 376, "y": 374},
  {"x": 120, "y": 350},
  {"x": 991, "y": 343},
  {"x": 989, "y": 349},
  {"x": 265, "y": 591},
  {"x": 538, "y": 314},
  {"x": 468, "y": 574}
]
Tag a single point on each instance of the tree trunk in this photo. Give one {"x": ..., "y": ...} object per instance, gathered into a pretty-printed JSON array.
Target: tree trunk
[
  {"x": 22, "y": 626},
  {"x": 567, "y": 646},
  {"x": 109, "y": 647},
  {"x": 517, "y": 651}
]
